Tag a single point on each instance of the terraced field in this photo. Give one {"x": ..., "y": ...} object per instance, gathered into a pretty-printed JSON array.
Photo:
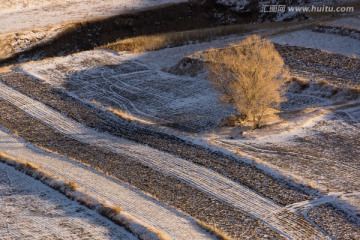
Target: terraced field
[
  {"x": 144, "y": 208},
  {"x": 132, "y": 134},
  {"x": 40, "y": 13},
  {"x": 322, "y": 65},
  {"x": 205, "y": 180},
  {"x": 334, "y": 170},
  {"x": 277, "y": 190}
]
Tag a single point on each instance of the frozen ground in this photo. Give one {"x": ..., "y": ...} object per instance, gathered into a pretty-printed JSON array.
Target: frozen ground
[
  {"x": 324, "y": 41},
  {"x": 24, "y": 14},
  {"x": 172, "y": 56},
  {"x": 317, "y": 135},
  {"x": 315, "y": 144},
  {"x": 351, "y": 23},
  {"x": 26, "y": 24},
  {"x": 116, "y": 81},
  {"x": 322, "y": 149},
  {"x": 32, "y": 210},
  {"x": 201, "y": 178},
  {"x": 140, "y": 206}
]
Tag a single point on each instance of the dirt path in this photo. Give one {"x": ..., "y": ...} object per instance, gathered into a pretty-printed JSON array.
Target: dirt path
[{"x": 196, "y": 176}]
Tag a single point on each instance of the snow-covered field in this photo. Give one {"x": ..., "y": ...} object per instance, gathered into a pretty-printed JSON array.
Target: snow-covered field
[
  {"x": 199, "y": 177},
  {"x": 140, "y": 206},
  {"x": 314, "y": 142},
  {"x": 24, "y": 14},
  {"x": 321, "y": 151},
  {"x": 26, "y": 24},
  {"x": 127, "y": 84},
  {"x": 172, "y": 56},
  {"x": 324, "y": 41},
  {"x": 139, "y": 72},
  {"x": 32, "y": 210}
]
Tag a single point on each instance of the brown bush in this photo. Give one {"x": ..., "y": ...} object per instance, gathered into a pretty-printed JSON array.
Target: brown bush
[
  {"x": 230, "y": 121},
  {"x": 250, "y": 75}
]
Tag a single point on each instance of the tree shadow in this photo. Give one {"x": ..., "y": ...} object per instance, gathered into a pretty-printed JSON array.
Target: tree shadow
[{"x": 130, "y": 89}]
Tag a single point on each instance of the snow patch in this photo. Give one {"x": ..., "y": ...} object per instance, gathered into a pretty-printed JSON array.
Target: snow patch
[{"x": 322, "y": 41}]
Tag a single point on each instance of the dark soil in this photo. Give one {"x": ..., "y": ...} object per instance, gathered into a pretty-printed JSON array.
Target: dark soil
[
  {"x": 279, "y": 191},
  {"x": 165, "y": 188},
  {"x": 335, "y": 222},
  {"x": 340, "y": 70}
]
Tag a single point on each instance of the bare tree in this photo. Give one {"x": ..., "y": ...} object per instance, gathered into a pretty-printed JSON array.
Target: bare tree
[{"x": 249, "y": 74}]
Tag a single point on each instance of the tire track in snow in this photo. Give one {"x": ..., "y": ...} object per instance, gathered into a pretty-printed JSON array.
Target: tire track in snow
[
  {"x": 44, "y": 213},
  {"x": 10, "y": 224},
  {"x": 172, "y": 222},
  {"x": 201, "y": 178},
  {"x": 4, "y": 227},
  {"x": 233, "y": 145}
]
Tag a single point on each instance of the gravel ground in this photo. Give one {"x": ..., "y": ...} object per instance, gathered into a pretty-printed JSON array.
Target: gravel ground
[
  {"x": 335, "y": 222},
  {"x": 163, "y": 187},
  {"x": 317, "y": 64},
  {"x": 275, "y": 189}
]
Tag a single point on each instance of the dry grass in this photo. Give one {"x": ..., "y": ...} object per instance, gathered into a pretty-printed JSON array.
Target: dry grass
[
  {"x": 141, "y": 44},
  {"x": 324, "y": 82},
  {"x": 172, "y": 39},
  {"x": 301, "y": 81},
  {"x": 5, "y": 69},
  {"x": 16, "y": 133},
  {"x": 73, "y": 191},
  {"x": 121, "y": 113},
  {"x": 230, "y": 121},
  {"x": 214, "y": 230},
  {"x": 356, "y": 90},
  {"x": 134, "y": 224},
  {"x": 250, "y": 74},
  {"x": 126, "y": 116},
  {"x": 328, "y": 87},
  {"x": 72, "y": 185}
]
